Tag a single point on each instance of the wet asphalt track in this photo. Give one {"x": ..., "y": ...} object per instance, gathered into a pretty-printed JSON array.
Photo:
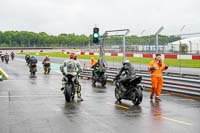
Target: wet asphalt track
[{"x": 36, "y": 105}]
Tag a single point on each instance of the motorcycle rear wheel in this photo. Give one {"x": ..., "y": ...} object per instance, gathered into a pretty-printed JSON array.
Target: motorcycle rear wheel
[
  {"x": 33, "y": 73},
  {"x": 93, "y": 81},
  {"x": 67, "y": 93},
  {"x": 103, "y": 83},
  {"x": 138, "y": 96}
]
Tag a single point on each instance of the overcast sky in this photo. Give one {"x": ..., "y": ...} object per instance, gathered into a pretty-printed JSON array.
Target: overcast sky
[{"x": 80, "y": 16}]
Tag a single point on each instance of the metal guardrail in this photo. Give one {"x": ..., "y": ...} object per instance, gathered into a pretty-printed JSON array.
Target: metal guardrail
[
  {"x": 173, "y": 84},
  {"x": 170, "y": 74}
]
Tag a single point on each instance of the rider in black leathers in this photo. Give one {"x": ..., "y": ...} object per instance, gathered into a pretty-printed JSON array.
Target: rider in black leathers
[
  {"x": 32, "y": 62},
  {"x": 12, "y": 54},
  {"x": 127, "y": 71},
  {"x": 27, "y": 58}
]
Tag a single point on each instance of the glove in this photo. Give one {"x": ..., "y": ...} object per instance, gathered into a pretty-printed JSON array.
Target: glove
[
  {"x": 166, "y": 67},
  {"x": 152, "y": 68}
]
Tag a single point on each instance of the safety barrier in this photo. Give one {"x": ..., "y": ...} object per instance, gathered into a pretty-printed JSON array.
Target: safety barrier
[
  {"x": 173, "y": 84},
  {"x": 170, "y": 74}
]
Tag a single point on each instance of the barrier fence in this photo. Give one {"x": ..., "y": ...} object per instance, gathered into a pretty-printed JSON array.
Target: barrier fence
[{"x": 184, "y": 85}]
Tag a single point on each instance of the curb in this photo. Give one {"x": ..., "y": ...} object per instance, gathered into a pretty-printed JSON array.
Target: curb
[{"x": 4, "y": 75}]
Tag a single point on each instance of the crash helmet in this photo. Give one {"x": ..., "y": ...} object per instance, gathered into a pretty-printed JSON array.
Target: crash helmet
[
  {"x": 71, "y": 56},
  {"x": 74, "y": 56},
  {"x": 125, "y": 62}
]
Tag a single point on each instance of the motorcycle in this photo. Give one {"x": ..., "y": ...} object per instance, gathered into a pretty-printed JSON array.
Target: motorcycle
[
  {"x": 69, "y": 89},
  {"x": 6, "y": 58},
  {"x": 98, "y": 75},
  {"x": 47, "y": 67},
  {"x": 33, "y": 69},
  {"x": 2, "y": 58},
  {"x": 12, "y": 56},
  {"x": 133, "y": 90}
]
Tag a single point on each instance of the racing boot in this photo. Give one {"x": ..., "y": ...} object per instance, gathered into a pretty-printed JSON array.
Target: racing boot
[
  {"x": 79, "y": 93},
  {"x": 63, "y": 84}
]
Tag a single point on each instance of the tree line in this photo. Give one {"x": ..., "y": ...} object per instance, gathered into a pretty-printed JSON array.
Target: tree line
[{"x": 42, "y": 39}]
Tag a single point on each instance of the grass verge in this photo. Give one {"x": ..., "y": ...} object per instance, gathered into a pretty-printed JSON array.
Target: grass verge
[{"x": 136, "y": 60}]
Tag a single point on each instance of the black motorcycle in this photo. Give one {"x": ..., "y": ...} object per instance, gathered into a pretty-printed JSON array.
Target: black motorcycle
[
  {"x": 132, "y": 90},
  {"x": 69, "y": 90},
  {"x": 47, "y": 67},
  {"x": 6, "y": 58},
  {"x": 2, "y": 58},
  {"x": 98, "y": 75},
  {"x": 12, "y": 56},
  {"x": 33, "y": 69}
]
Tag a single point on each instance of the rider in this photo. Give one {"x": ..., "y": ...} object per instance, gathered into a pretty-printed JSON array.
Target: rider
[
  {"x": 27, "y": 58},
  {"x": 32, "y": 62},
  {"x": 2, "y": 57},
  {"x": 96, "y": 70},
  {"x": 46, "y": 59},
  {"x": 6, "y": 55},
  {"x": 46, "y": 62},
  {"x": 76, "y": 71},
  {"x": 127, "y": 71},
  {"x": 12, "y": 54}
]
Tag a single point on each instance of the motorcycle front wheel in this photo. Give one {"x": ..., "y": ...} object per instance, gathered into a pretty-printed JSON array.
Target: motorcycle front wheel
[{"x": 117, "y": 94}]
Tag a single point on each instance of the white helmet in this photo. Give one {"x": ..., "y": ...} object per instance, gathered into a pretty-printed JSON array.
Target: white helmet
[{"x": 125, "y": 62}]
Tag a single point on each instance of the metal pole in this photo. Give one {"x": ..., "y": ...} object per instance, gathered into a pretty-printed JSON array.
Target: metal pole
[
  {"x": 190, "y": 47},
  {"x": 89, "y": 43},
  {"x": 124, "y": 48},
  {"x": 124, "y": 44},
  {"x": 182, "y": 28},
  {"x": 156, "y": 38},
  {"x": 156, "y": 43}
]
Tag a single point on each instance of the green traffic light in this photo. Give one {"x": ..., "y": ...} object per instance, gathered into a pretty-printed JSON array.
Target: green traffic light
[{"x": 96, "y": 35}]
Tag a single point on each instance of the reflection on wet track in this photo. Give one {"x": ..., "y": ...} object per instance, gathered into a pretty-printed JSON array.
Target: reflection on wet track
[{"x": 36, "y": 105}]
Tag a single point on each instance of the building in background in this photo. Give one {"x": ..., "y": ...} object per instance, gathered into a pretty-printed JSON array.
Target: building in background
[{"x": 185, "y": 46}]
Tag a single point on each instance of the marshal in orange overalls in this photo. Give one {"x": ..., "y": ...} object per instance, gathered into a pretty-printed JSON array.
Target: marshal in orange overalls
[
  {"x": 93, "y": 61},
  {"x": 156, "y": 77}
]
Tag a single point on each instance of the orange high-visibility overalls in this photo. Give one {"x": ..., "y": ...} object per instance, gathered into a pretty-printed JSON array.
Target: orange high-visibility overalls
[
  {"x": 156, "y": 77},
  {"x": 93, "y": 61}
]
